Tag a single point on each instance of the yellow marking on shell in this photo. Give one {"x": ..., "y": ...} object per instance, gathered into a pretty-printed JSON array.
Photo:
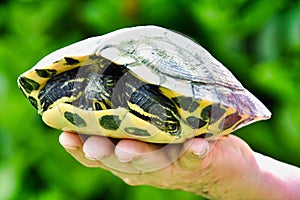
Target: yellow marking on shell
[
  {"x": 60, "y": 66},
  {"x": 102, "y": 105},
  {"x": 128, "y": 119},
  {"x": 63, "y": 99},
  {"x": 35, "y": 94},
  {"x": 55, "y": 118},
  {"x": 140, "y": 110},
  {"x": 157, "y": 135},
  {"x": 72, "y": 80},
  {"x": 210, "y": 127}
]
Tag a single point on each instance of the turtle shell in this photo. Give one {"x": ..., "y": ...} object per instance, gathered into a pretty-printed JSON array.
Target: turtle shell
[{"x": 146, "y": 83}]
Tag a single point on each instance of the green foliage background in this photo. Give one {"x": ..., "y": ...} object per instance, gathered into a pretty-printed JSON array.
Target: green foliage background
[{"x": 258, "y": 40}]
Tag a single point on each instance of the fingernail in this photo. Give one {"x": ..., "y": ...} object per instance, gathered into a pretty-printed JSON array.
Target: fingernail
[
  {"x": 123, "y": 156},
  {"x": 89, "y": 155},
  {"x": 93, "y": 157},
  {"x": 203, "y": 151},
  {"x": 125, "y": 160}
]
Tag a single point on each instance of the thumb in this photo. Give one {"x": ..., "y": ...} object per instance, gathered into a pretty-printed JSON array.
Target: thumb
[{"x": 194, "y": 151}]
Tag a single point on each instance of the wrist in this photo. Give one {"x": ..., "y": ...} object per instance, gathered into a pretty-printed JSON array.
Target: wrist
[
  {"x": 229, "y": 176},
  {"x": 255, "y": 177},
  {"x": 281, "y": 181}
]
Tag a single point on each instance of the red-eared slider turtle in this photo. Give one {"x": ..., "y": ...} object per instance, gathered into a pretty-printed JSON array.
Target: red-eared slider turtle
[{"x": 146, "y": 83}]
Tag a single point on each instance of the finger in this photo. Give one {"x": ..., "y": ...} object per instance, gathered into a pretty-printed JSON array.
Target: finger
[
  {"x": 127, "y": 150},
  {"x": 70, "y": 141},
  {"x": 96, "y": 148},
  {"x": 145, "y": 157},
  {"x": 73, "y": 145},
  {"x": 102, "y": 149},
  {"x": 194, "y": 150}
]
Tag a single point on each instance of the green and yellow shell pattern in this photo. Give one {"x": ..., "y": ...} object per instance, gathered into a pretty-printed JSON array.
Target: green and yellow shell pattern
[{"x": 145, "y": 83}]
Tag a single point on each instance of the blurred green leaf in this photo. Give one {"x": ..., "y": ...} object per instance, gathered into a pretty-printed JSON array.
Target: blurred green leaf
[
  {"x": 257, "y": 40},
  {"x": 275, "y": 77}
]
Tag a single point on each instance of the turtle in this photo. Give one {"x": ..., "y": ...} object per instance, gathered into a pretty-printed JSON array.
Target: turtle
[{"x": 146, "y": 83}]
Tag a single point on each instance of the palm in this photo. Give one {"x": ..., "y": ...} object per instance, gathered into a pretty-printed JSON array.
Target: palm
[{"x": 197, "y": 166}]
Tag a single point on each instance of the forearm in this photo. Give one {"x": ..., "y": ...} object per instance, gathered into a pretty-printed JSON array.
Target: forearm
[
  {"x": 261, "y": 178},
  {"x": 282, "y": 181}
]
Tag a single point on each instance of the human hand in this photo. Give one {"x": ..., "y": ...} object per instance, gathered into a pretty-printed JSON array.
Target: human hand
[{"x": 221, "y": 169}]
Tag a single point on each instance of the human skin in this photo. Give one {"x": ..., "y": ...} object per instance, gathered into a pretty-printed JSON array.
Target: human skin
[{"x": 222, "y": 169}]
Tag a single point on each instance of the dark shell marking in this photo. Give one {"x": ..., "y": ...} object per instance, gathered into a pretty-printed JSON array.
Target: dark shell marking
[
  {"x": 110, "y": 122},
  {"x": 230, "y": 121},
  {"x": 71, "y": 61},
  {"x": 28, "y": 84},
  {"x": 136, "y": 131},
  {"x": 186, "y": 103},
  {"x": 212, "y": 113},
  {"x": 75, "y": 119},
  {"x": 33, "y": 102},
  {"x": 195, "y": 122},
  {"x": 46, "y": 73}
]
